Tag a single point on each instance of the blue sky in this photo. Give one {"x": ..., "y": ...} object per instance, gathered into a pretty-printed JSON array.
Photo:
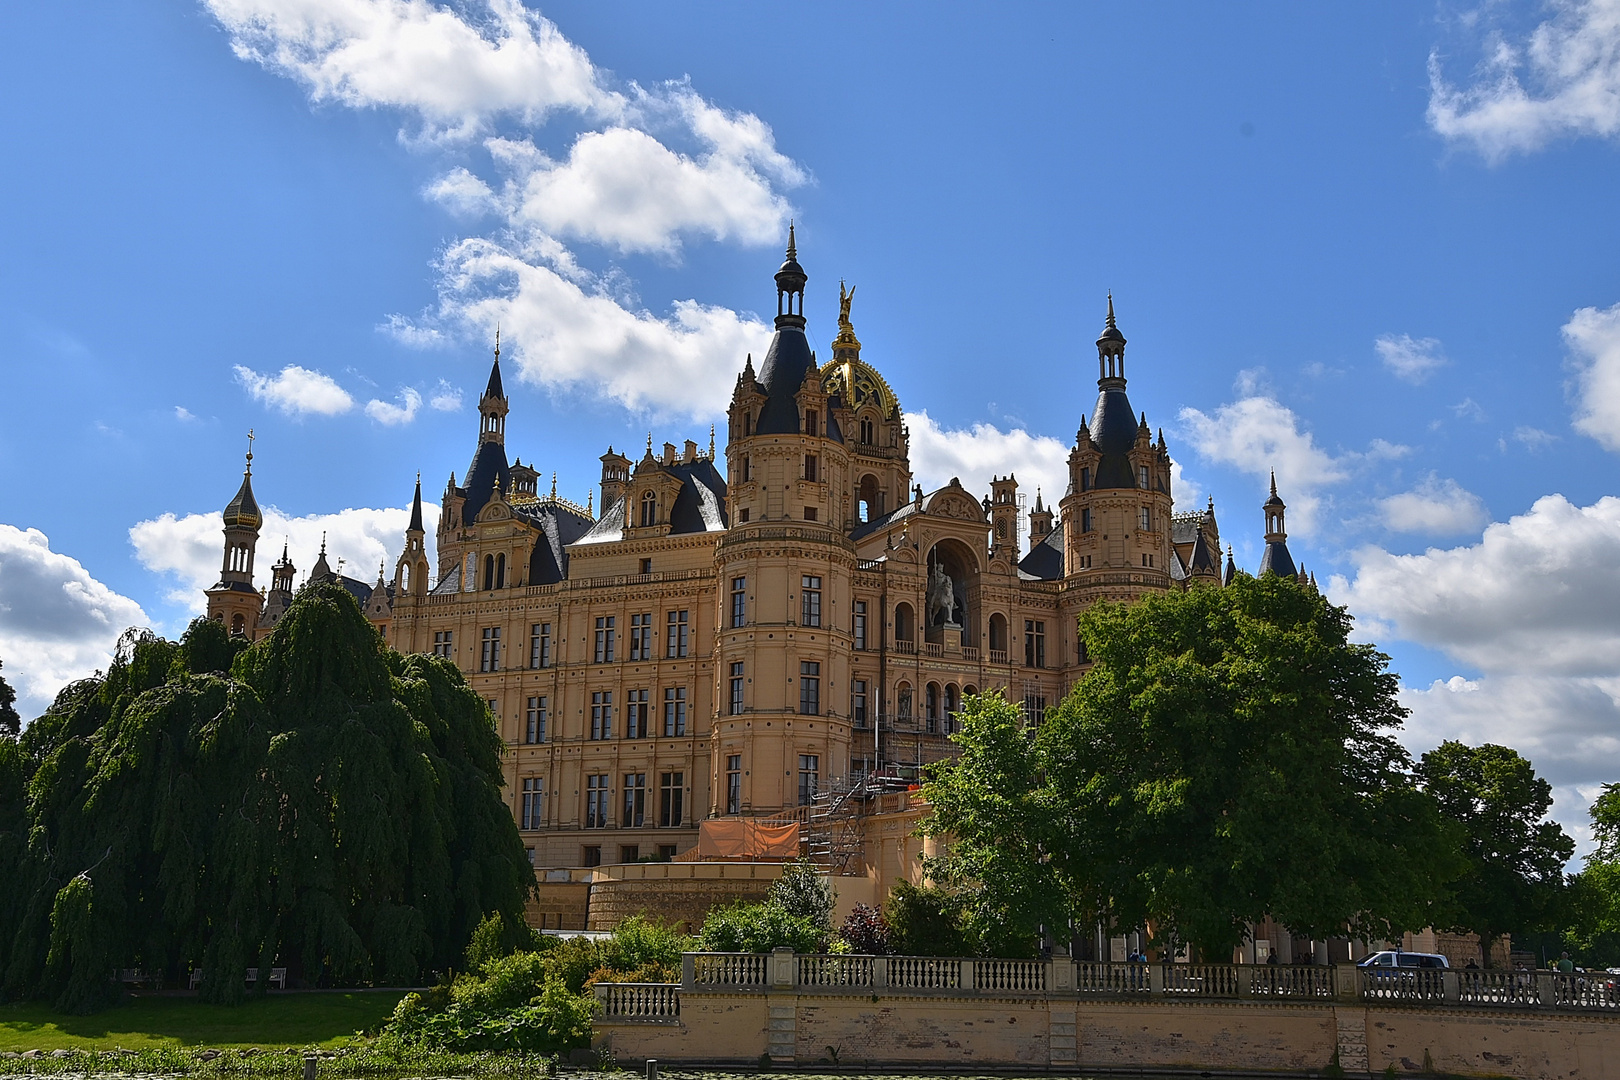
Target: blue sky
[{"x": 1372, "y": 248}]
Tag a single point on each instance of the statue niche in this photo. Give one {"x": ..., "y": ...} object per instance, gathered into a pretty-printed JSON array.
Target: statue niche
[{"x": 947, "y": 597}]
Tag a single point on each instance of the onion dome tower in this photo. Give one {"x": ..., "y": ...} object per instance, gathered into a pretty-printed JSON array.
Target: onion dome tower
[{"x": 233, "y": 600}]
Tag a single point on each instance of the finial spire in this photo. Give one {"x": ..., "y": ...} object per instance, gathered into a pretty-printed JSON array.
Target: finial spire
[
  {"x": 711, "y": 442},
  {"x": 249, "y": 470},
  {"x": 323, "y": 542},
  {"x": 1111, "y": 324},
  {"x": 793, "y": 247},
  {"x": 497, "y": 343},
  {"x": 1274, "y": 481},
  {"x": 554, "y": 483}
]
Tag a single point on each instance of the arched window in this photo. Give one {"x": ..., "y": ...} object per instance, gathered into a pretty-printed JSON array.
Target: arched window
[
  {"x": 649, "y": 509},
  {"x": 405, "y": 578},
  {"x": 421, "y": 579},
  {"x": 869, "y": 499},
  {"x": 932, "y": 712},
  {"x": 500, "y": 570},
  {"x": 238, "y": 624},
  {"x": 868, "y": 431},
  {"x": 905, "y": 623},
  {"x": 902, "y": 701},
  {"x": 998, "y": 633},
  {"x": 953, "y": 702},
  {"x": 489, "y": 572}
]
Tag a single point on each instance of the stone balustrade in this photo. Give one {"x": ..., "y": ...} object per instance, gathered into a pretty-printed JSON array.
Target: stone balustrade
[{"x": 911, "y": 976}]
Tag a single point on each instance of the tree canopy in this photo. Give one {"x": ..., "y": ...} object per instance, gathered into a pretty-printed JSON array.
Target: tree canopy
[
  {"x": 1230, "y": 755},
  {"x": 10, "y": 721},
  {"x": 314, "y": 801},
  {"x": 1515, "y": 859}
]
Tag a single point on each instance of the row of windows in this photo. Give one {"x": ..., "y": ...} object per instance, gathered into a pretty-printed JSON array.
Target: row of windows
[
  {"x": 809, "y": 780},
  {"x": 632, "y": 803},
  {"x": 1144, "y": 519},
  {"x": 1144, "y": 478},
  {"x": 635, "y": 716},
  {"x": 677, "y": 637}
]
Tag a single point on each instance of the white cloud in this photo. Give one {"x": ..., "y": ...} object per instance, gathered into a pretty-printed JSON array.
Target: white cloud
[
  {"x": 462, "y": 193},
  {"x": 975, "y": 454},
  {"x": 622, "y": 188},
  {"x": 393, "y": 415},
  {"x": 1436, "y": 507},
  {"x": 1411, "y": 359},
  {"x": 188, "y": 550},
  {"x": 1469, "y": 409},
  {"x": 1534, "y": 608},
  {"x": 183, "y": 414},
  {"x": 1595, "y": 337},
  {"x": 1259, "y": 434},
  {"x": 296, "y": 391},
  {"x": 570, "y": 334},
  {"x": 456, "y": 73},
  {"x": 57, "y": 623},
  {"x": 1571, "y": 64},
  {"x": 1533, "y": 438},
  {"x": 446, "y": 398}
]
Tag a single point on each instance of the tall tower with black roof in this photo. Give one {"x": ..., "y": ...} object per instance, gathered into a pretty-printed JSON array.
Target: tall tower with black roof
[
  {"x": 1118, "y": 509},
  {"x": 234, "y": 601},
  {"x": 1276, "y": 559},
  {"x": 785, "y": 569}
]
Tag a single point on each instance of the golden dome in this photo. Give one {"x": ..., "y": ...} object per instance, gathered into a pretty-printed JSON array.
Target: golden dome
[{"x": 856, "y": 382}]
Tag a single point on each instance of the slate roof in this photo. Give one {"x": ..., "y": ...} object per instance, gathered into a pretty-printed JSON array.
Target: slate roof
[
  {"x": 1113, "y": 431},
  {"x": 559, "y": 526},
  {"x": 700, "y": 505},
  {"x": 244, "y": 509},
  {"x": 870, "y": 527},
  {"x": 1045, "y": 560},
  {"x": 780, "y": 377},
  {"x": 494, "y": 387},
  {"x": 450, "y": 584},
  {"x": 1277, "y": 560},
  {"x": 488, "y": 463}
]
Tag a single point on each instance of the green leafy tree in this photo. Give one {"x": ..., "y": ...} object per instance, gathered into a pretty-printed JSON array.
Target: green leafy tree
[
  {"x": 925, "y": 920},
  {"x": 10, "y": 722},
  {"x": 314, "y": 801},
  {"x": 1593, "y": 901},
  {"x": 1230, "y": 755},
  {"x": 1515, "y": 858}
]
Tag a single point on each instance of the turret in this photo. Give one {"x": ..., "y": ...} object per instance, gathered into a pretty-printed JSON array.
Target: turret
[
  {"x": 1276, "y": 559},
  {"x": 1002, "y": 508},
  {"x": 1040, "y": 521},
  {"x": 411, "y": 572},
  {"x": 493, "y": 406},
  {"x": 233, "y": 600}
]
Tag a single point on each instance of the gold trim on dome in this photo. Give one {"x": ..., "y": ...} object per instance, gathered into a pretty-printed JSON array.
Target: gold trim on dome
[{"x": 859, "y": 384}]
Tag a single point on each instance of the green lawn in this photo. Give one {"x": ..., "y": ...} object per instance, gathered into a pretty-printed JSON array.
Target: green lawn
[{"x": 142, "y": 1023}]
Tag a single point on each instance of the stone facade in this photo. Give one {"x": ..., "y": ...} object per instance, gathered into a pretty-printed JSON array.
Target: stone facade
[{"x": 733, "y": 643}]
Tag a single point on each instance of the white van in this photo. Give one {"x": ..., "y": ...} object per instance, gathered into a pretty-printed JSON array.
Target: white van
[{"x": 1396, "y": 959}]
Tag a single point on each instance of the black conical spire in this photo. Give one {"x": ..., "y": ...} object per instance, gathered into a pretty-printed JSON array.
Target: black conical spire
[
  {"x": 416, "y": 507},
  {"x": 494, "y": 389}
]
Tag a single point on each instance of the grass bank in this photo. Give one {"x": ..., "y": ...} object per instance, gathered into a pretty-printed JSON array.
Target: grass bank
[
  {"x": 173, "y": 1023},
  {"x": 378, "y": 1060}
]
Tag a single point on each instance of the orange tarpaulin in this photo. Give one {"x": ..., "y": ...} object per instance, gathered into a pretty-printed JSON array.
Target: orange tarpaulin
[{"x": 741, "y": 838}]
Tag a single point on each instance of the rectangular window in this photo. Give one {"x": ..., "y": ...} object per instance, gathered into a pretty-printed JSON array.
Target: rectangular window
[
  {"x": 635, "y": 800},
  {"x": 1034, "y": 708},
  {"x": 596, "y": 801},
  {"x": 635, "y": 716},
  {"x": 747, "y": 471},
  {"x": 1085, "y": 521},
  {"x": 534, "y": 726},
  {"x": 532, "y": 807},
  {"x": 629, "y": 853},
  {"x": 857, "y": 702},
  {"x": 540, "y": 645},
  {"x": 671, "y": 799},
  {"x": 860, "y": 624},
  {"x": 601, "y": 714},
  {"x": 490, "y": 658},
  {"x": 1142, "y": 477},
  {"x": 736, "y": 688},
  {"x": 810, "y": 464},
  {"x": 641, "y": 636},
  {"x": 734, "y": 783},
  {"x": 494, "y": 709},
  {"x": 646, "y": 566},
  {"x": 1034, "y": 643},
  {"x": 443, "y": 643},
  {"x": 604, "y": 639},
  {"x": 812, "y": 422},
  {"x": 809, "y": 600},
  {"x": 675, "y": 625},
  {"x": 739, "y": 601},
  {"x": 742, "y": 515},
  {"x": 674, "y": 710},
  {"x": 1144, "y": 520},
  {"x": 1085, "y": 479},
  {"x": 593, "y": 856},
  {"x": 810, "y": 513},
  {"x": 666, "y": 852},
  {"x": 810, "y": 688},
  {"x": 809, "y": 778}
]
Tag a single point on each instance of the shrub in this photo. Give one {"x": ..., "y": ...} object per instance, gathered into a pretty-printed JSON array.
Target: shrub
[
  {"x": 803, "y": 891},
  {"x": 744, "y": 927},
  {"x": 649, "y": 950},
  {"x": 865, "y": 931},
  {"x": 925, "y": 921}
]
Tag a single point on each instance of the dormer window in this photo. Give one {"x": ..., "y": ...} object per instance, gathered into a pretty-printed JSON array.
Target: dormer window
[
  {"x": 649, "y": 509},
  {"x": 1085, "y": 480},
  {"x": 812, "y": 422},
  {"x": 1142, "y": 477}
]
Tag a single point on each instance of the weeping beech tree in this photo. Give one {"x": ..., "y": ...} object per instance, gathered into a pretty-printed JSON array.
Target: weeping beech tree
[{"x": 315, "y": 801}]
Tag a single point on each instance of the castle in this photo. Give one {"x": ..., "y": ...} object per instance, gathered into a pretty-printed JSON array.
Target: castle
[{"x": 732, "y": 643}]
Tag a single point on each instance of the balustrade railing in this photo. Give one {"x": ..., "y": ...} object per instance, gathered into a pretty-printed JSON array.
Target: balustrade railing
[
  {"x": 649, "y": 1002},
  {"x": 730, "y": 969},
  {"x": 831, "y": 973}
]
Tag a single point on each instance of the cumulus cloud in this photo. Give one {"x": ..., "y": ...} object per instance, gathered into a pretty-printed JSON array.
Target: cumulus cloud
[
  {"x": 1435, "y": 507},
  {"x": 1534, "y": 609},
  {"x": 975, "y": 454},
  {"x": 183, "y": 414},
  {"x": 1259, "y": 434},
  {"x": 446, "y": 398},
  {"x": 1595, "y": 338},
  {"x": 1562, "y": 81},
  {"x": 567, "y": 332},
  {"x": 296, "y": 391},
  {"x": 187, "y": 550},
  {"x": 661, "y": 167},
  {"x": 392, "y": 415},
  {"x": 57, "y": 622},
  {"x": 455, "y": 72},
  {"x": 1411, "y": 359}
]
